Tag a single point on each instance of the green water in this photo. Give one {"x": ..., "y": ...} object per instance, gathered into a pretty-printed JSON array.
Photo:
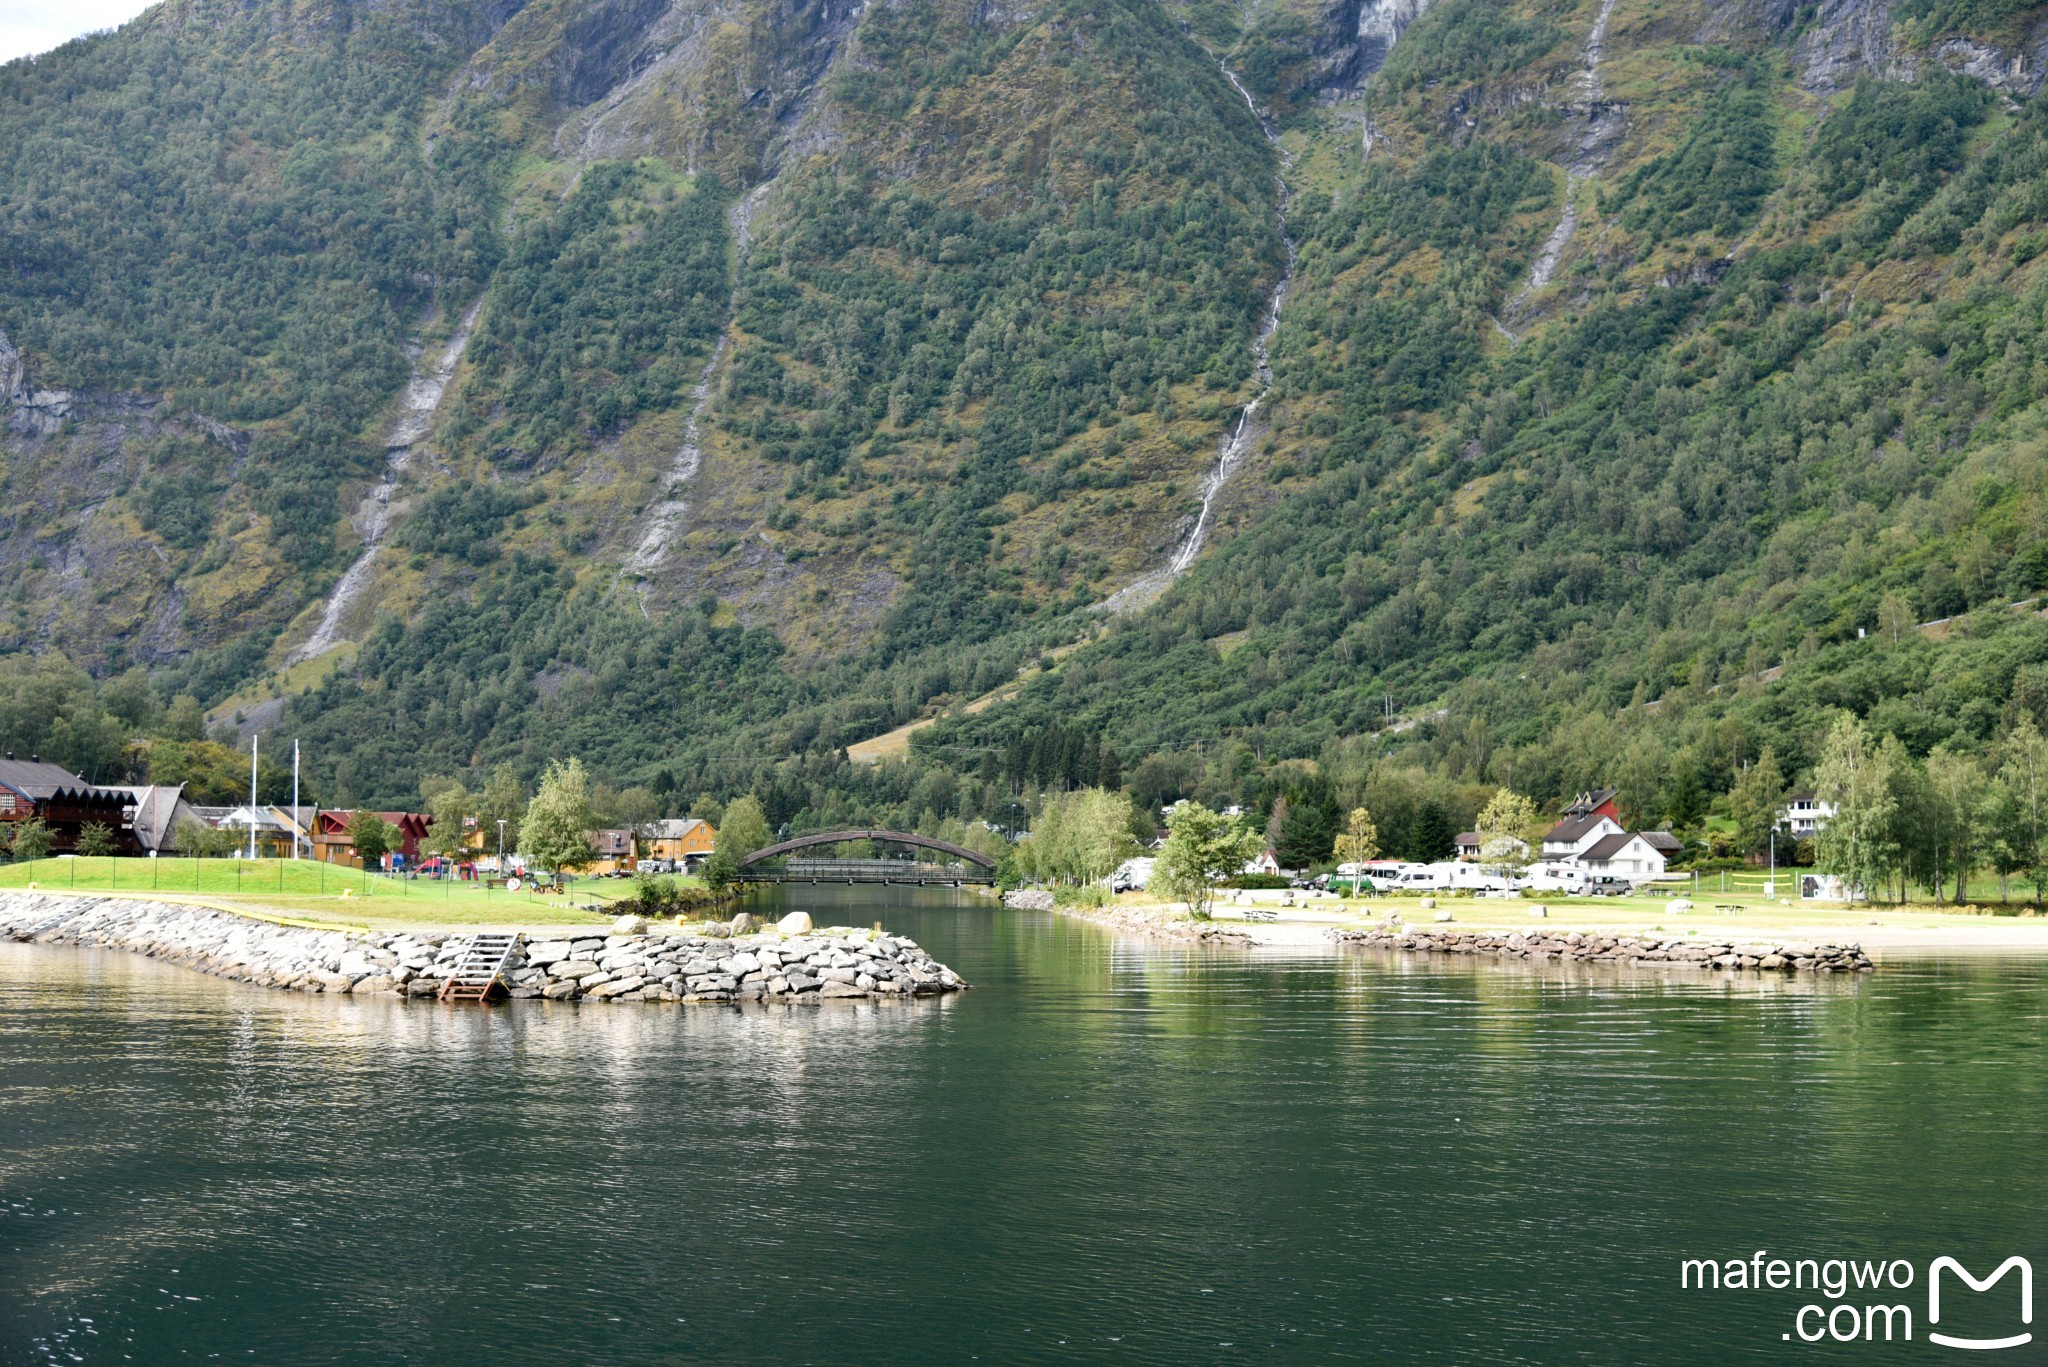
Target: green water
[{"x": 1105, "y": 1151}]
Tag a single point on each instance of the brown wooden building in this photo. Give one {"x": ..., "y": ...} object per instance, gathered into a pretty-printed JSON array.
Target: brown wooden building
[{"x": 65, "y": 802}]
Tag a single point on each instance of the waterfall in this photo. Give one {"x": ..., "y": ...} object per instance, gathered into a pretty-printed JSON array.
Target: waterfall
[
  {"x": 373, "y": 515},
  {"x": 1239, "y": 440}
]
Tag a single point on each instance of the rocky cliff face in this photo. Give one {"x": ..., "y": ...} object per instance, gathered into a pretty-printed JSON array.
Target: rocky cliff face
[
  {"x": 990, "y": 277},
  {"x": 1380, "y": 24},
  {"x": 1845, "y": 39}
]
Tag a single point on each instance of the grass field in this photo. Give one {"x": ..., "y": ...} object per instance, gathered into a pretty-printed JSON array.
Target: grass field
[
  {"x": 1738, "y": 911},
  {"x": 316, "y": 891}
]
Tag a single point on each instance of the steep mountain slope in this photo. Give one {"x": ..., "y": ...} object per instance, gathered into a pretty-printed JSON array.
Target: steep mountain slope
[
  {"x": 704, "y": 388},
  {"x": 1630, "y": 367},
  {"x": 935, "y": 248}
]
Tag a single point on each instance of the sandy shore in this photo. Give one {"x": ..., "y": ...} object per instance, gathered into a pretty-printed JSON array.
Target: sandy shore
[{"x": 1307, "y": 923}]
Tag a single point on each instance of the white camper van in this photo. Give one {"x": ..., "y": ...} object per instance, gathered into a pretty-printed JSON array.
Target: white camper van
[
  {"x": 1131, "y": 875},
  {"x": 1451, "y": 875},
  {"x": 1554, "y": 877}
]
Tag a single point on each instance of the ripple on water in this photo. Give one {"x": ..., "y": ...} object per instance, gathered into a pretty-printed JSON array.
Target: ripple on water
[{"x": 1169, "y": 1153}]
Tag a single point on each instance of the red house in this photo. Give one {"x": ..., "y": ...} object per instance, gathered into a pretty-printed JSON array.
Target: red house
[
  {"x": 332, "y": 842},
  {"x": 1599, "y": 802}
]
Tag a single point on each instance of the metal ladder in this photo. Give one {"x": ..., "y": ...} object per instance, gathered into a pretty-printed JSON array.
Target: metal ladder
[{"x": 481, "y": 970}]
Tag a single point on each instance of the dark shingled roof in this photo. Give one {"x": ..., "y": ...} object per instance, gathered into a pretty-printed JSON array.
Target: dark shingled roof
[
  {"x": 1586, "y": 802},
  {"x": 1571, "y": 828},
  {"x": 1664, "y": 842},
  {"x": 1607, "y": 846},
  {"x": 38, "y": 780}
]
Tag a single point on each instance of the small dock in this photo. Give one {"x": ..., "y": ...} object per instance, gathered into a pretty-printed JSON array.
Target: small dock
[{"x": 480, "y": 974}]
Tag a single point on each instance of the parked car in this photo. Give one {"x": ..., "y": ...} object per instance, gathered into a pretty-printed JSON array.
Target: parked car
[
  {"x": 1131, "y": 875},
  {"x": 1608, "y": 885}
]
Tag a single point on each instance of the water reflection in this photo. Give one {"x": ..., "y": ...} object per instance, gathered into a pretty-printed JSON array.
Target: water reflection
[{"x": 1168, "y": 1152}]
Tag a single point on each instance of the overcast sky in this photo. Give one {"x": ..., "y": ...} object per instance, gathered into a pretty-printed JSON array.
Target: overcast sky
[{"x": 28, "y": 26}]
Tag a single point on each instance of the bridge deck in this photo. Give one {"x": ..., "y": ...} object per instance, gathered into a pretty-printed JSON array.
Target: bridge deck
[{"x": 868, "y": 871}]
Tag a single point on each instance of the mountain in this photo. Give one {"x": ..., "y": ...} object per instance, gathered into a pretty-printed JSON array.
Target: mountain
[{"x": 1534, "y": 391}]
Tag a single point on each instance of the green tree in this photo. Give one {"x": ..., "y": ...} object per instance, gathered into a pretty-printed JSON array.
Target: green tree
[
  {"x": 2024, "y": 774},
  {"x": 201, "y": 841},
  {"x": 1079, "y": 837},
  {"x": 1962, "y": 803},
  {"x": 185, "y": 720},
  {"x": 1508, "y": 831},
  {"x": 1360, "y": 840},
  {"x": 95, "y": 839},
  {"x": 744, "y": 830},
  {"x": 1308, "y": 833},
  {"x": 1854, "y": 778},
  {"x": 1201, "y": 848},
  {"x": 636, "y": 809},
  {"x": 1433, "y": 835},
  {"x": 372, "y": 836},
  {"x": 555, "y": 833},
  {"x": 1686, "y": 802},
  {"x": 1756, "y": 801},
  {"x": 450, "y": 804},
  {"x": 30, "y": 840},
  {"x": 503, "y": 800}
]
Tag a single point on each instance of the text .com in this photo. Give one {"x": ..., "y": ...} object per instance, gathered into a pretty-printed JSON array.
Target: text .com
[{"x": 1864, "y": 1295}]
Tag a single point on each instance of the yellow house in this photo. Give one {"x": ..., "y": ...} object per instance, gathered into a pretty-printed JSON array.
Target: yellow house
[{"x": 683, "y": 841}]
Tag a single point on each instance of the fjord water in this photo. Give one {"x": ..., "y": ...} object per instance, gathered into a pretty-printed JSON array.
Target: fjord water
[{"x": 1107, "y": 1150}]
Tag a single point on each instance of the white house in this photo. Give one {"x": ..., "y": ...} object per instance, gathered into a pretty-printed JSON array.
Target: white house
[
  {"x": 1623, "y": 855},
  {"x": 1591, "y": 841},
  {"x": 1573, "y": 836},
  {"x": 1804, "y": 815},
  {"x": 1268, "y": 863}
]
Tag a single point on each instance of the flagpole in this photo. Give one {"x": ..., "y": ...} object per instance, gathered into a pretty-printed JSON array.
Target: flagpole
[
  {"x": 295, "y": 798},
  {"x": 254, "y": 738}
]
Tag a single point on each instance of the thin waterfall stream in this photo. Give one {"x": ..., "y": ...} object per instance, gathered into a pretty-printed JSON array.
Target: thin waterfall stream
[
  {"x": 373, "y": 515},
  {"x": 1237, "y": 442},
  {"x": 1601, "y": 128}
]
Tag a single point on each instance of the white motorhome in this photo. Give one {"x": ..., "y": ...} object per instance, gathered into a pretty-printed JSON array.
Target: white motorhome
[
  {"x": 1450, "y": 876},
  {"x": 1553, "y": 876},
  {"x": 1131, "y": 875}
]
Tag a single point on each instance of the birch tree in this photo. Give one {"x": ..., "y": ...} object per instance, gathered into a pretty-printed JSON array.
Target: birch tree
[{"x": 1851, "y": 777}]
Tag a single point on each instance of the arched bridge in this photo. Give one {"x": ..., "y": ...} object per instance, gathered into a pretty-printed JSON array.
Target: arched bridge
[{"x": 964, "y": 866}]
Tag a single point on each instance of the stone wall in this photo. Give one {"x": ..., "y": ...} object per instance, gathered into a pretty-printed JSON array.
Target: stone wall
[
  {"x": 1590, "y": 945},
  {"x": 659, "y": 966}
]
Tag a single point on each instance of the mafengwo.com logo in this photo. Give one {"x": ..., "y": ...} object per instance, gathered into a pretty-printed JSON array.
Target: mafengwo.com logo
[{"x": 1863, "y": 1300}]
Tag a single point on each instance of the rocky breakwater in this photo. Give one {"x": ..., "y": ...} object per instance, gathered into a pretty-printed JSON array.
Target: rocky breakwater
[
  {"x": 788, "y": 962},
  {"x": 1640, "y": 949}
]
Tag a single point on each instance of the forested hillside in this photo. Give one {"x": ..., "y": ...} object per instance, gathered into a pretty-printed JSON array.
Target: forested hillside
[{"x": 704, "y": 392}]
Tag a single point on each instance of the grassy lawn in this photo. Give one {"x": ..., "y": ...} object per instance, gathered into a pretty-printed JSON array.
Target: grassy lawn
[
  {"x": 1740, "y": 912},
  {"x": 315, "y": 891}
]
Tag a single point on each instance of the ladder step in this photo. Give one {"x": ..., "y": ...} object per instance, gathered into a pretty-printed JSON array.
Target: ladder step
[{"x": 479, "y": 967}]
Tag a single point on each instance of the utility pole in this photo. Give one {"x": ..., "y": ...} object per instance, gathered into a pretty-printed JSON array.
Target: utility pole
[
  {"x": 501, "y": 847},
  {"x": 255, "y": 737},
  {"x": 295, "y": 798},
  {"x": 1771, "y": 883}
]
